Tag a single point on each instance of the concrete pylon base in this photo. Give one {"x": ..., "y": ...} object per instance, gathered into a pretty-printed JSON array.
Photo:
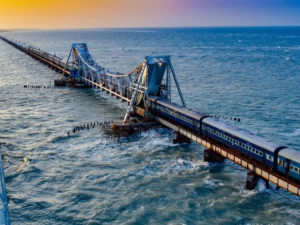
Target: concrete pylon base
[
  {"x": 213, "y": 157},
  {"x": 180, "y": 139},
  {"x": 252, "y": 180}
]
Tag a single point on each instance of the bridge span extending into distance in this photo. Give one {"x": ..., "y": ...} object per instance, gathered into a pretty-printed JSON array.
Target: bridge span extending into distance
[{"x": 146, "y": 90}]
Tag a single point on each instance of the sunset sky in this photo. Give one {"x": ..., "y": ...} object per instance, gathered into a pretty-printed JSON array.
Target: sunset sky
[{"x": 58, "y": 14}]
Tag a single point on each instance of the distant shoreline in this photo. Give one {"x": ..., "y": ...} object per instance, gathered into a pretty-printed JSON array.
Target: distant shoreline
[
  {"x": 10, "y": 30},
  {"x": 123, "y": 28}
]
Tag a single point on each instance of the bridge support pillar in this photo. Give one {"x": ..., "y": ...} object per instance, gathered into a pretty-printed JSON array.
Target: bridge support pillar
[
  {"x": 60, "y": 83},
  {"x": 252, "y": 180},
  {"x": 213, "y": 157},
  {"x": 180, "y": 139},
  {"x": 267, "y": 184}
]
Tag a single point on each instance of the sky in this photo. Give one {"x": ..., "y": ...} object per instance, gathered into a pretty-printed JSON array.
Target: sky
[{"x": 62, "y": 14}]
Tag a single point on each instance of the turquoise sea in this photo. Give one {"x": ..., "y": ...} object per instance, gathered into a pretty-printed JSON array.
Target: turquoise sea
[{"x": 249, "y": 73}]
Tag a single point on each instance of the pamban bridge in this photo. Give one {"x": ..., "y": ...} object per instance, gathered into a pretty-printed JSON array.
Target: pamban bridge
[{"x": 147, "y": 92}]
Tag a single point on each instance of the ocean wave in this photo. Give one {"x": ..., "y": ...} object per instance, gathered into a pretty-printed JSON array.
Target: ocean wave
[{"x": 294, "y": 133}]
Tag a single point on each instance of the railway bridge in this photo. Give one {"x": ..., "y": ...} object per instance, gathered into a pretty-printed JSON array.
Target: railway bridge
[{"x": 146, "y": 90}]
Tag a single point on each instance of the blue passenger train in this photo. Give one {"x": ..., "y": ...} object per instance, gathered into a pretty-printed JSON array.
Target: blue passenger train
[{"x": 275, "y": 156}]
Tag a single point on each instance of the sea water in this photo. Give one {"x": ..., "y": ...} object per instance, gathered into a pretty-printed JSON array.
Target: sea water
[{"x": 87, "y": 178}]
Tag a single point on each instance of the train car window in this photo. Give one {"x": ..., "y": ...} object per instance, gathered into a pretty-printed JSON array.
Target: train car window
[
  {"x": 291, "y": 167},
  {"x": 296, "y": 169},
  {"x": 281, "y": 163}
]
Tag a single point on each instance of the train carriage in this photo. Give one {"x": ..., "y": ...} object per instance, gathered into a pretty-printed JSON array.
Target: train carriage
[
  {"x": 289, "y": 162},
  {"x": 277, "y": 157},
  {"x": 249, "y": 144},
  {"x": 179, "y": 114}
]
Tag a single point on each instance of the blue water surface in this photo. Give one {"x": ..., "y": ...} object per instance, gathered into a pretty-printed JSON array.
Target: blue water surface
[{"x": 250, "y": 73}]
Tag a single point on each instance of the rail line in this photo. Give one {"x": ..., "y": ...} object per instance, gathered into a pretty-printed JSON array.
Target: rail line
[{"x": 146, "y": 90}]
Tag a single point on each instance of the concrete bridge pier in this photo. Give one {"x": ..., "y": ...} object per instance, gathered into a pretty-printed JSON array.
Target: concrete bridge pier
[
  {"x": 252, "y": 180},
  {"x": 180, "y": 139},
  {"x": 212, "y": 157}
]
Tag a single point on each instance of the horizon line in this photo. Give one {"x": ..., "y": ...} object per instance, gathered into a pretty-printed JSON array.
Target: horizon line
[{"x": 150, "y": 27}]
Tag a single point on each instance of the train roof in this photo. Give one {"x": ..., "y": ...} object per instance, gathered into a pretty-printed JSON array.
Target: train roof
[
  {"x": 243, "y": 134},
  {"x": 181, "y": 109},
  {"x": 291, "y": 154}
]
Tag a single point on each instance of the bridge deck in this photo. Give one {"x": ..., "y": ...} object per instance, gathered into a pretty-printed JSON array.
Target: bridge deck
[
  {"x": 58, "y": 66},
  {"x": 117, "y": 85},
  {"x": 236, "y": 157}
]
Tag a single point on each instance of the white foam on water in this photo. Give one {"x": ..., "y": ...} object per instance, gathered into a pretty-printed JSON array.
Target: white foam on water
[
  {"x": 293, "y": 134},
  {"x": 209, "y": 182},
  {"x": 193, "y": 164},
  {"x": 261, "y": 186},
  {"x": 155, "y": 139}
]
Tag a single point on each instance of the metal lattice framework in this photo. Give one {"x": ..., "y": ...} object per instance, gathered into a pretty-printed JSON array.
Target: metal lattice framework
[
  {"x": 151, "y": 77},
  {"x": 132, "y": 87}
]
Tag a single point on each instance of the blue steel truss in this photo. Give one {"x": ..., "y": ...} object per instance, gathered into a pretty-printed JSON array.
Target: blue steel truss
[{"x": 133, "y": 87}]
